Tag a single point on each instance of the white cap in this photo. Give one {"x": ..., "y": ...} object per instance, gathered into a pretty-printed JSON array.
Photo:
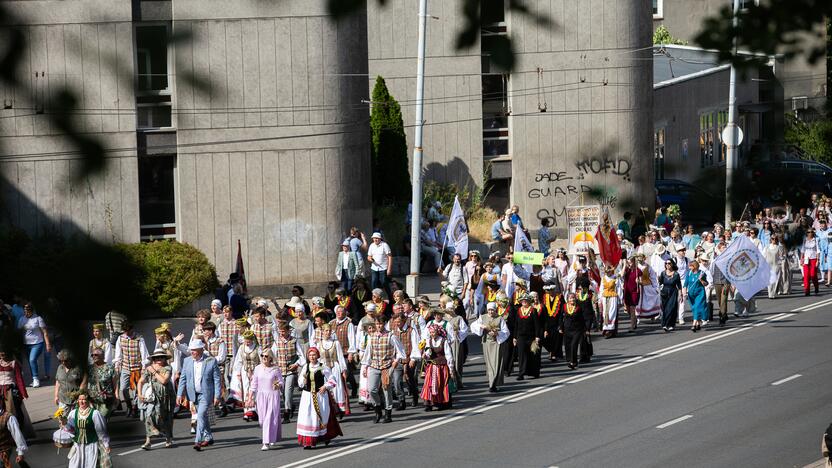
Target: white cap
[
  {"x": 371, "y": 308},
  {"x": 619, "y": 232},
  {"x": 196, "y": 344},
  {"x": 491, "y": 306},
  {"x": 263, "y": 302},
  {"x": 376, "y": 234}
]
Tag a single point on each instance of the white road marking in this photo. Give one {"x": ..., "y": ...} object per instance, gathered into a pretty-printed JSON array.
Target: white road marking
[
  {"x": 424, "y": 426},
  {"x": 816, "y": 305},
  {"x": 473, "y": 358},
  {"x": 787, "y": 379},
  {"x": 674, "y": 421},
  {"x": 159, "y": 444}
]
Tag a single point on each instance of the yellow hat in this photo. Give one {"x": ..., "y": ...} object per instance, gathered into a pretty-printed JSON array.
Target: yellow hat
[
  {"x": 98, "y": 326},
  {"x": 242, "y": 322},
  {"x": 249, "y": 335},
  {"x": 162, "y": 330}
]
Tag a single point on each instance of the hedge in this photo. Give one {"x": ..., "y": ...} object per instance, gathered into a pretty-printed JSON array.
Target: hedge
[{"x": 173, "y": 274}]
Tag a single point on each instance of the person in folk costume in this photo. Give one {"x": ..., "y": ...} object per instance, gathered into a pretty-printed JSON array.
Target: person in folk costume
[
  {"x": 13, "y": 391},
  {"x": 366, "y": 327},
  {"x": 216, "y": 347},
  {"x": 381, "y": 357},
  {"x": 245, "y": 361},
  {"x": 216, "y": 311},
  {"x": 492, "y": 328},
  {"x": 90, "y": 442},
  {"x": 316, "y": 415},
  {"x": 382, "y": 305},
  {"x": 612, "y": 288},
  {"x": 203, "y": 316},
  {"x": 649, "y": 302},
  {"x": 344, "y": 330},
  {"x": 631, "y": 290},
  {"x": 573, "y": 327},
  {"x": 317, "y": 305},
  {"x": 436, "y": 354},
  {"x": 458, "y": 331},
  {"x": 264, "y": 394},
  {"x": 681, "y": 261},
  {"x": 159, "y": 397},
  {"x": 99, "y": 341},
  {"x": 553, "y": 304},
  {"x": 331, "y": 298},
  {"x": 176, "y": 351},
  {"x": 11, "y": 438},
  {"x": 413, "y": 316},
  {"x": 318, "y": 333},
  {"x": 405, "y": 373},
  {"x": 585, "y": 298},
  {"x": 229, "y": 330},
  {"x": 102, "y": 384},
  {"x": 263, "y": 330},
  {"x": 301, "y": 328},
  {"x": 526, "y": 339},
  {"x": 131, "y": 355},
  {"x": 344, "y": 300},
  {"x": 627, "y": 247},
  {"x": 360, "y": 296},
  {"x": 333, "y": 357},
  {"x": 425, "y": 309},
  {"x": 289, "y": 357}
]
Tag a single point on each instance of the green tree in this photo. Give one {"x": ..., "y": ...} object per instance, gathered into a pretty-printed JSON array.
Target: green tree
[
  {"x": 391, "y": 179},
  {"x": 814, "y": 139},
  {"x": 662, "y": 36}
]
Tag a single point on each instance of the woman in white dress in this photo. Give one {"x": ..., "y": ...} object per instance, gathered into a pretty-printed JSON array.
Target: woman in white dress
[
  {"x": 90, "y": 441},
  {"x": 649, "y": 303},
  {"x": 246, "y": 359},
  {"x": 316, "y": 420},
  {"x": 332, "y": 356}
]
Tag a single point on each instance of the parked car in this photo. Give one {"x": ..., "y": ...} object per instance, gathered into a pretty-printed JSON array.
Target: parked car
[
  {"x": 791, "y": 179},
  {"x": 699, "y": 208}
]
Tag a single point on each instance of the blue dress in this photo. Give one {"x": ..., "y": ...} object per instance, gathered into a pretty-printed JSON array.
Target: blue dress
[
  {"x": 696, "y": 295},
  {"x": 824, "y": 250}
]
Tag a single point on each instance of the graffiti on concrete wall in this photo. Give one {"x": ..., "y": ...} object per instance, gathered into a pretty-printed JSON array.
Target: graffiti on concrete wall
[{"x": 615, "y": 166}]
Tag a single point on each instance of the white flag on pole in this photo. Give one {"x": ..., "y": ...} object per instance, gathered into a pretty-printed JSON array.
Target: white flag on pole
[
  {"x": 522, "y": 244},
  {"x": 457, "y": 231},
  {"x": 744, "y": 267}
]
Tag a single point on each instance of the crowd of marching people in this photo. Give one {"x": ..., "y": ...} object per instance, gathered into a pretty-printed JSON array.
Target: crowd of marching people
[{"x": 366, "y": 346}]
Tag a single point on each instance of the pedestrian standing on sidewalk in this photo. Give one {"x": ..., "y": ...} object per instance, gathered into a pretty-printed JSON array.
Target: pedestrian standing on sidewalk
[
  {"x": 37, "y": 341},
  {"x": 266, "y": 387}
]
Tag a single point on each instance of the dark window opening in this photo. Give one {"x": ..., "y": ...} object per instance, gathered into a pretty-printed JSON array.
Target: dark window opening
[
  {"x": 157, "y": 208},
  {"x": 152, "y": 58}
]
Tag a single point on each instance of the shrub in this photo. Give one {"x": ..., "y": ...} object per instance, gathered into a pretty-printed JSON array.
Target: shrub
[{"x": 173, "y": 274}]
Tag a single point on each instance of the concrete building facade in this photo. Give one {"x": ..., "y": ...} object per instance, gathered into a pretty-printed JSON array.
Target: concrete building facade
[
  {"x": 222, "y": 121},
  {"x": 570, "y": 124}
]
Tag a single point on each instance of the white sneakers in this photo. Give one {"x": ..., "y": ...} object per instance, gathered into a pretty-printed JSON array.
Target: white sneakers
[
  {"x": 35, "y": 383},
  {"x": 264, "y": 447}
]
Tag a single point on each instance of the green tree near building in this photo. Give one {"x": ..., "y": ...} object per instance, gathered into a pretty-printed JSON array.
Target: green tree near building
[
  {"x": 391, "y": 179},
  {"x": 662, "y": 36}
]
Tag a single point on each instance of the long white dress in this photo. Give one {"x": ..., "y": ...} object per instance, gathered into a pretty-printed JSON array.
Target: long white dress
[
  {"x": 86, "y": 455},
  {"x": 649, "y": 301},
  {"x": 309, "y": 424},
  {"x": 240, "y": 377},
  {"x": 333, "y": 356},
  {"x": 609, "y": 304}
]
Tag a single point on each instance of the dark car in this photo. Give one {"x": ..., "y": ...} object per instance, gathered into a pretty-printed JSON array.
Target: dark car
[
  {"x": 791, "y": 179},
  {"x": 699, "y": 208}
]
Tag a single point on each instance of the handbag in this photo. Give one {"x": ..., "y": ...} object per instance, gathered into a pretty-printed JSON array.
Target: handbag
[{"x": 452, "y": 385}]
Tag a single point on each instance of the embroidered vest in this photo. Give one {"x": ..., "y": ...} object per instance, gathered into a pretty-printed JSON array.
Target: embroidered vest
[
  {"x": 342, "y": 331},
  {"x": 130, "y": 357},
  {"x": 214, "y": 349},
  {"x": 84, "y": 429},
  {"x": 263, "y": 332},
  {"x": 382, "y": 356},
  {"x": 302, "y": 326},
  {"x": 404, "y": 337},
  {"x": 438, "y": 353},
  {"x": 329, "y": 356},
  {"x": 250, "y": 359},
  {"x": 286, "y": 354},
  {"x": 229, "y": 330},
  {"x": 608, "y": 289}
]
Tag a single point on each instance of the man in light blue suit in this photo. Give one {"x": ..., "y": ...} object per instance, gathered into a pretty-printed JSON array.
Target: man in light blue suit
[{"x": 200, "y": 384}]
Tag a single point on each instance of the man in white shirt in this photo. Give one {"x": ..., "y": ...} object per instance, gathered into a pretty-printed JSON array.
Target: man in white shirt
[
  {"x": 381, "y": 263},
  {"x": 12, "y": 437},
  {"x": 199, "y": 384}
]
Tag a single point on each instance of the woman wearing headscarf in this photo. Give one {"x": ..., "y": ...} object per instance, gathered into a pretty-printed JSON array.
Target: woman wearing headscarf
[
  {"x": 438, "y": 359},
  {"x": 316, "y": 418},
  {"x": 158, "y": 398},
  {"x": 494, "y": 332}
]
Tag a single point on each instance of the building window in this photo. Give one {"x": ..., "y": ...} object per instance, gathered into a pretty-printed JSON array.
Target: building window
[
  {"x": 157, "y": 208},
  {"x": 745, "y": 4},
  {"x": 152, "y": 59},
  {"x": 153, "y": 116},
  {"x": 493, "y": 12},
  {"x": 706, "y": 140},
  {"x": 721, "y": 122},
  {"x": 495, "y": 130},
  {"x": 658, "y": 9},
  {"x": 658, "y": 153}
]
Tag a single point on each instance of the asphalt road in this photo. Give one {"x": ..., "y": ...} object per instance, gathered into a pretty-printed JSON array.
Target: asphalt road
[{"x": 757, "y": 392}]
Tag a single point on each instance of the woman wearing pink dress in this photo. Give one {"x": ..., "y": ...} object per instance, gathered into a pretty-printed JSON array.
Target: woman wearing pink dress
[{"x": 266, "y": 386}]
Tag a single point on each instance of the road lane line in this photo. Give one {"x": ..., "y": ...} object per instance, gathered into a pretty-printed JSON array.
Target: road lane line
[
  {"x": 816, "y": 305},
  {"x": 421, "y": 427},
  {"x": 787, "y": 379},
  {"x": 674, "y": 421},
  {"x": 158, "y": 444}
]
